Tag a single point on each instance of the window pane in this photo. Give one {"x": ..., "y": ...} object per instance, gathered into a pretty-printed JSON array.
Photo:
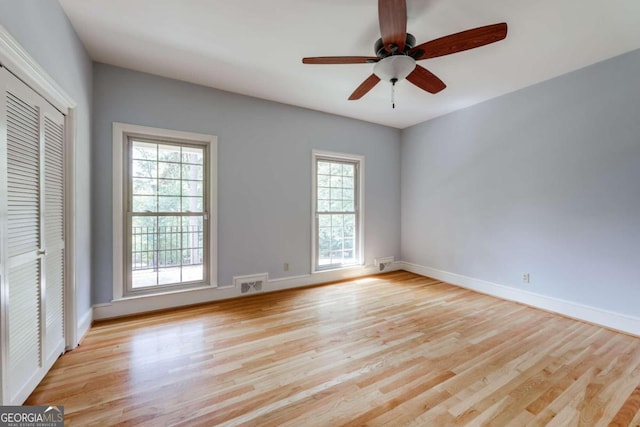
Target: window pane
[
  {"x": 192, "y": 204},
  {"x": 192, "y": 155},
  {"x": 143, "y": 186},
  {"x": 336, "y": 206},
  {"x": 144, "y": 169},
  {"x": 324, "y": 206},
  {"x": 324, "y": 220},
  {"x": 336, "y": 181},
  {"x": 336, "y": 194},
  {"x": 144, "y": 150},
  {"x": 143, "y": 246},
  {"x": 347, "y": 182},
  {"x": 167, "y": 276},
  {"x": 324, "y": 193},
  {"x": 349, "y": 221},
  {"x": 143, "y": 243},
  {"x": 167, "y": 250},
  {"x": 193, "y": 273},
  {"x": 192, "y": 249},
  {"x": 324, "y": 240},
  {"x": 169, "y": 153},
  {"x": 169, "y": 204},
  {"x": 169, "y": 170},
  {"x": 145, "y": 204},
  {"x": 324, "y": 180},
  {"x": 192, "y": 188},
  {"x": 348, "y": 195},
  {"x": 169, "y": 187},
  {"x": 324, "y": 168},
  {"x": 192, "y": 172}
]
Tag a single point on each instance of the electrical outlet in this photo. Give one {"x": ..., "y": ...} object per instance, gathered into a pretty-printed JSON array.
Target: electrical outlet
[
  {"x": 286, "y": 266},
  {"x": 525, "y": 278}
]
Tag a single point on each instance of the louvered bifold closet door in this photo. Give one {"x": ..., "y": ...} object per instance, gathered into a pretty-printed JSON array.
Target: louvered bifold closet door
[
  {"x": 24, "y": 264},
  {"x": 53, "y": 233},
  {"x": 33, "y": 278}
]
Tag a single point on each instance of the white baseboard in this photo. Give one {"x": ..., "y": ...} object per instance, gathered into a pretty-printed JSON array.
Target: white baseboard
[
  {"x": 323, "y": 277},
  {"x": 136, "y": 305},
  {"x": 142, "y": 304},
  {"x": 606, "y": 318},
  {"x": 84, "y": 324}
]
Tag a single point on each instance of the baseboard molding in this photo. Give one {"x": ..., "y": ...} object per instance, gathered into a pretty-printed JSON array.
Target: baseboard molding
[
  {"x": 136, "y": 305},
  {"x": 606, "y": 318},
  {"x": 84, "y": 324},
  {"x": 323, "y": 277},
  {"x": 143, "y": 304}
]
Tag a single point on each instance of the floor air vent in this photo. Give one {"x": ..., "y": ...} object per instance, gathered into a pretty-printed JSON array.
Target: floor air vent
[{"x": 250, "y": 284}]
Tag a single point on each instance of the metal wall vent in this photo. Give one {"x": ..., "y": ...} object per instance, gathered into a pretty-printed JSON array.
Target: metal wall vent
[
  {"x": 246, "y": 287},
  {"x": 384, "y": 263},
  {"x": 251, "y": 284}
]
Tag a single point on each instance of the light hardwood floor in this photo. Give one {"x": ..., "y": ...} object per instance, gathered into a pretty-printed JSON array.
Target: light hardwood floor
[{"x": 395, "y": 349}]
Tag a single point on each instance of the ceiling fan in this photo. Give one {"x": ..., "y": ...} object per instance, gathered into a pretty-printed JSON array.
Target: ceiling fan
[{"x": 397, "y": 53}]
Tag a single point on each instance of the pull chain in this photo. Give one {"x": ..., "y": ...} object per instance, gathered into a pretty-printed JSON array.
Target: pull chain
[{"x": 393, "y": 92}]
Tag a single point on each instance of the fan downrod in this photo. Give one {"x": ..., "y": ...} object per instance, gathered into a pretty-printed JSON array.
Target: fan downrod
[{"x": 382, "y": 52}]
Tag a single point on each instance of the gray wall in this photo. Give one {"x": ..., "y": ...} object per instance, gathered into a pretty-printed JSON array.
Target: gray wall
[
  {"x": 545, "y": 180},
  {"x": 264, "y": 178},
  {"x": 42, "y": 28}
]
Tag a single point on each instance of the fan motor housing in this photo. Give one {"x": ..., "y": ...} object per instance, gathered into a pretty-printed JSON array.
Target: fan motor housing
[{"x": 381, "y": 52}]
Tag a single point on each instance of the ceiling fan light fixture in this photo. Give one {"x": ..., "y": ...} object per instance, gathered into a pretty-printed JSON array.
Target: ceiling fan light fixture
[{"x": 395, "y": 67}]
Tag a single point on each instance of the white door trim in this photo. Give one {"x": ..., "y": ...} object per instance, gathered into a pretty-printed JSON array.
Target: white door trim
[{"x": 16, "y": 59}]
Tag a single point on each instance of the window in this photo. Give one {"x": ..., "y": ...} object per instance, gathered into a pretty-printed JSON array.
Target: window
[
  {"x": 337, "y": 231},
  {"x": 167, "y": 206}
]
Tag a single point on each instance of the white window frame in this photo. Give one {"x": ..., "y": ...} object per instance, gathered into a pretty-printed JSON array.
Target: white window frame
[
  {"x": 360, "y": 184},
  {"x": 121, "y": 134}
]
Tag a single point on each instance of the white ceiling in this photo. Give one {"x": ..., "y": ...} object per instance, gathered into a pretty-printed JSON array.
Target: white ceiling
[{"x": 255, "y": 47}]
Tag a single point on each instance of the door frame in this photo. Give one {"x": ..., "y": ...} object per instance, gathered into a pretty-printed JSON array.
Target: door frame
[{"x": 16, "y": 59}]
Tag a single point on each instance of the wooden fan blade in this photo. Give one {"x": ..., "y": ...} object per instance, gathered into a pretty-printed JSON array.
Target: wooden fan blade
[
  {"x": 365, "y": 87},
  {"x": 426, "y": 80},
  {"x": 459, "y": 42},
  {"x": 340, "y": 60},
  {"x": 392, "y": 15}
]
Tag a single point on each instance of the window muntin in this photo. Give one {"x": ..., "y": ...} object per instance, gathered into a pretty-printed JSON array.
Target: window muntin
[
  {"x": 337, "y": 227},
  {"x": 167, "y": 235}
]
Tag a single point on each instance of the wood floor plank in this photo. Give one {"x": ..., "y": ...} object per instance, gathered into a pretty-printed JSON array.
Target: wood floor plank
[
  {"x": 629, "y": 409},
  {"x": 394, "y": 349}
]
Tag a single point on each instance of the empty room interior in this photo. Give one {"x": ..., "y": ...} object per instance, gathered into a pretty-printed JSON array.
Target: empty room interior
[{"x": 321, "y": 213}]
